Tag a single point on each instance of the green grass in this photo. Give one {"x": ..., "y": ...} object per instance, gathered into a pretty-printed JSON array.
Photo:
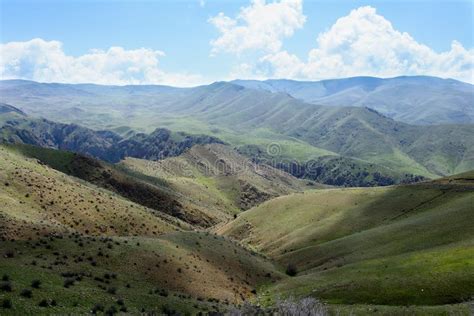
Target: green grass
[
  {"x": 406, "y": 245},
  {"x": 199, "y": 176},
  {"x": 400, "y": 162},
  {"x": 59, "y": 160},
  {"x": 142, "y": 263},
  {"x": 290, "y": 148},
  {"x": 428, "y": 277}
]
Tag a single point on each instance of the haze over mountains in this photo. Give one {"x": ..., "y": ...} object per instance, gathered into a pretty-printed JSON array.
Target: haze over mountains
[
  {"x": 415, "y": 100},
  {"x": 244, "y": 116}
]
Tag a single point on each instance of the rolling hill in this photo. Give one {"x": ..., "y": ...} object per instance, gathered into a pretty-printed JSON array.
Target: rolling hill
[
  {"x": 415, "y": 100},
  {"x": 244, "y": 116},
  {"x": 161, "y": 143},
  {"x": 81, "y": 235},
  {"x": 105, "y": 145},
  {"x": 206, "y": 185},
  {"x": 87, "y": 248},
  {"x": 218, "y": 176},
  {"x": 37, "y": 198},
  {"x": 153, "y": 193},
  {"x": 400, "y": 245}
]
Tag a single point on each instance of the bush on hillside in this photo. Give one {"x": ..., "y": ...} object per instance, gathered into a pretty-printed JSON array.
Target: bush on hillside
[
  {"x": 7, "y": 303},
  {"x": 291, "y": 269},
  {"x": 6, "y": 286},
  {"x": 36, "y": 284},
  {"x": 26, "y": 293}
]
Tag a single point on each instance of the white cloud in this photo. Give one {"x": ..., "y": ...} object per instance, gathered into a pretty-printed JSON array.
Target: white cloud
[
  {"x": 260, "y": 26},
  {"x": 46, "y": 61},
  {"x": 365, "y": 43}
]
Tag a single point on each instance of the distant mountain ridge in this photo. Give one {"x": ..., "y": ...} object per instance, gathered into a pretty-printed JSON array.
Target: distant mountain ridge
[
  {"x": 105, "y": 145},
  {"x": 247, "y": 116},
  {"x": 415, "y": 100},
  {"x": 420, "y": 100},
  {"x": 7, "y": 109}
]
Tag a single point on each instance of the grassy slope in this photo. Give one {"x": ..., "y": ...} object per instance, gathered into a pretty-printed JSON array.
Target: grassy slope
[
  {"x": 245, "y": 116},
  {"x": 218, "y": 177},
  {"x": 197, "y": 271},
  {"x": 151, "y": 192},
  {"x": 396, "y": 245},
  {"x": 201, "y": 271},
  {"x": 36, "y": 197}
]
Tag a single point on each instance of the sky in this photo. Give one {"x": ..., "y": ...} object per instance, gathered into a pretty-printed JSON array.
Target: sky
[{"x": 192, "y": 42}]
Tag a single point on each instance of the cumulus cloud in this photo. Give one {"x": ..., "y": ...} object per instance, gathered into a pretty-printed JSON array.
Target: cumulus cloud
[
  {"x": 259, "y": 26},
  {"x": 365, "y": 43},
  {"x": 46, "y": 61}
]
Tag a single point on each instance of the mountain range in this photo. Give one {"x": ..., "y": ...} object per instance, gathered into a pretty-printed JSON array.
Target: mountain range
[
  {"x": 341, "y": 197},
  {"x": 416, "y": 100},
  {"x": 244, "y": 116}
]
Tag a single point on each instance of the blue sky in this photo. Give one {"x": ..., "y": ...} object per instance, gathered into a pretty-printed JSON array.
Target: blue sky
[{"x": 182, "y": 32}]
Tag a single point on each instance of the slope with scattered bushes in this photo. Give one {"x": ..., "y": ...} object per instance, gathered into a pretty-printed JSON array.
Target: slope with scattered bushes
[{"x": 387, "y": 246}]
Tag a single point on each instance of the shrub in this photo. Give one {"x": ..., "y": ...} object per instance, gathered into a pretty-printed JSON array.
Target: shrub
[
  {"x": 6, "y": 286},
  {"x": 112, "y": 310},
  {"x": 43, "y": 303},
  {"x": 26, "y": 293},
  {"x": 97, "y": 308},
  {"x": 36, "y": 284},
  {"x": 123, "y": 309},
  {"x": 69, "y": 282},
  {"x": 5, "y": 277},
  {"x": 166, "y": 310},
  {"x": 7, "y": 303},
  {"x": 112, "y": 290},
  {"x": 162, "y": 292},
  {"x": 291, "y": 270}
]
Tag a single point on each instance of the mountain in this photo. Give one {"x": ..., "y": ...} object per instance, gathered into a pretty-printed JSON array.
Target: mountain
[
  {"x": 205, "y": 228},
  {"x": 336, "y": 170},
  {"x": 385, "y": 246},
  {"x": 43, "y": 200},
  {"x": 204, "y": 186},
  {"x": 415, "y": 100},
  {"x": 161, "y": 143},
  {"x": 354, "y": 132},
  {"x": 106, "y": 145},
  {"x": 218, "y": 176},
  {"x": 243, "y": 116},
  {"x": 8, "y": 109},
  {"x": 153, "y": 193},
  {"x": 89, "y": 249}
]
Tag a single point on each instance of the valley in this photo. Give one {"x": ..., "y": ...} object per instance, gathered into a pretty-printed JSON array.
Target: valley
[{"x": 235, "y": 196}]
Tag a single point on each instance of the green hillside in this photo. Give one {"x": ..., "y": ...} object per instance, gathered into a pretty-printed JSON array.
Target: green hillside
[
  {"x": 402, "y": 245},
  {"x": 217, "y": 176},
  {"x": 69, "y": 246},
  {"x": 246, "y": 116},
  {"x": 411, "y": 99},
  {"x": 152, "y": 192}
]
